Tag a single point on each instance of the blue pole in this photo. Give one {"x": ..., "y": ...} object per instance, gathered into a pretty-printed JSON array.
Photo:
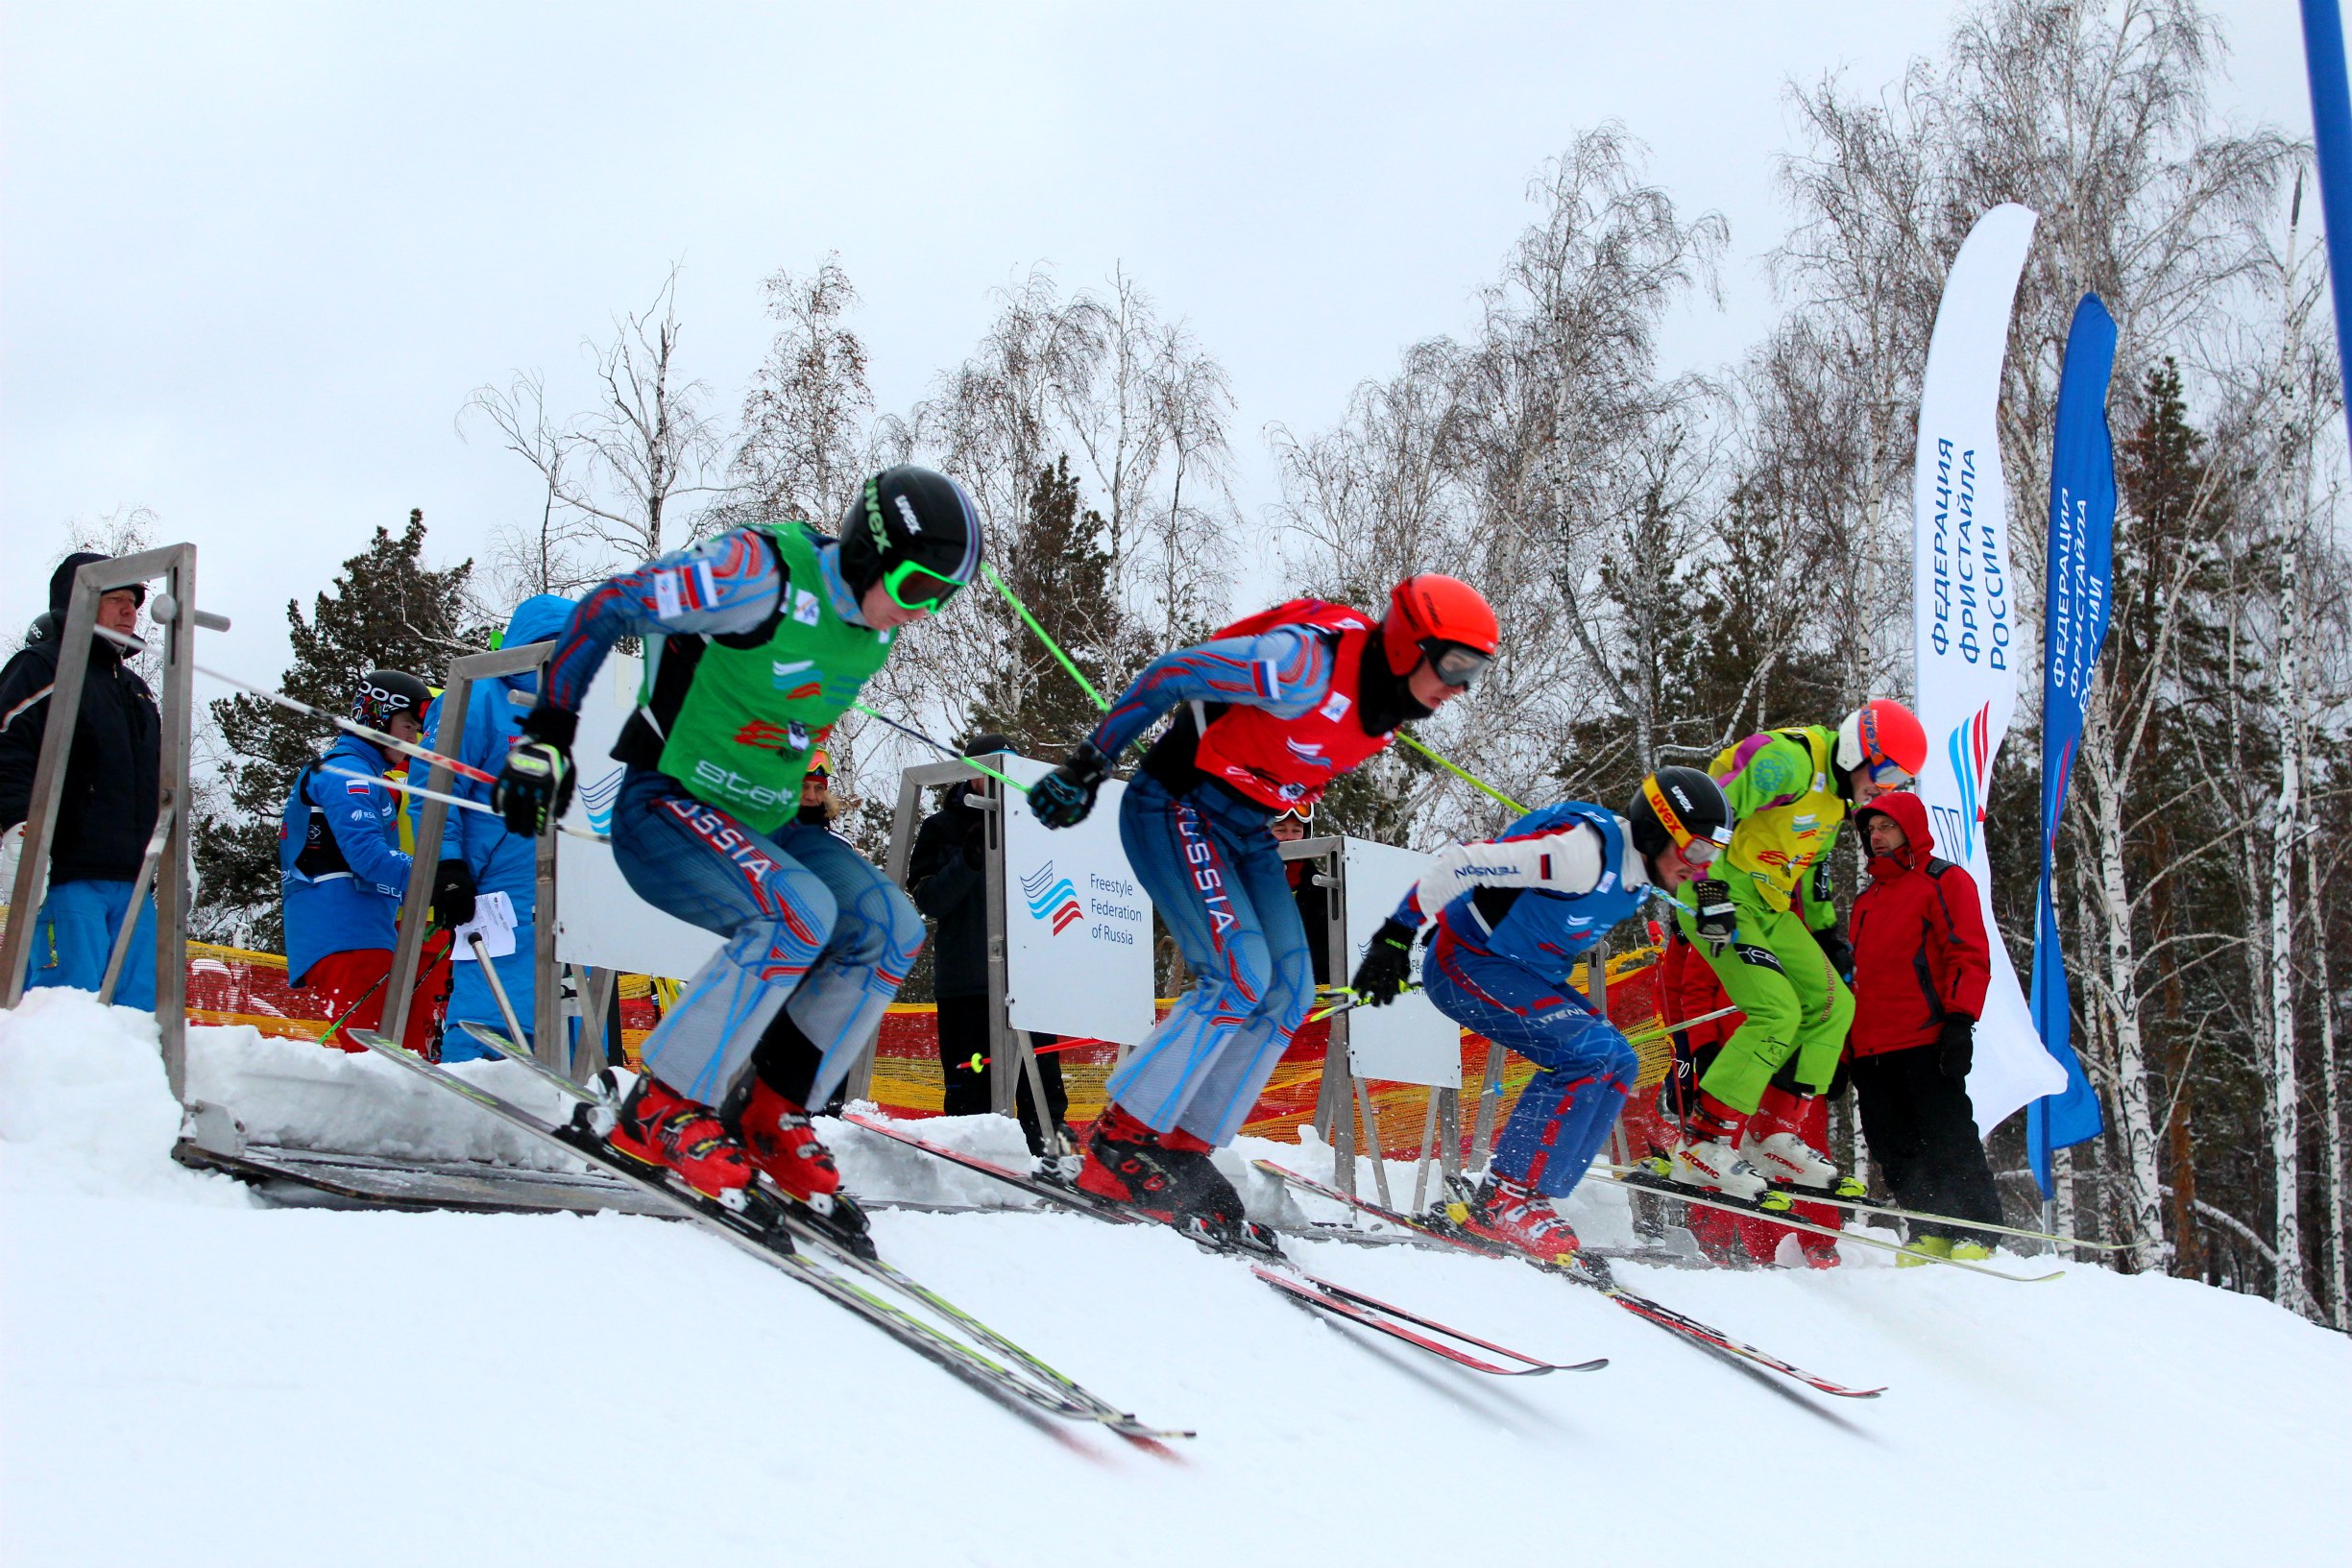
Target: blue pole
[{"x": 2331, "y": 119}]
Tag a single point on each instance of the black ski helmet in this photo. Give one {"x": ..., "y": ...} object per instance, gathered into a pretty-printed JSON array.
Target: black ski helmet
[
  {"x": 1681, "y": 806},
  {"x": 914, "y": 529},
  {"x": 384, "y": 694}
]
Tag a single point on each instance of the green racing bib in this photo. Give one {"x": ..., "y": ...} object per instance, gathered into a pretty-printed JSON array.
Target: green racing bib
[{"x": 754, "y": 714}]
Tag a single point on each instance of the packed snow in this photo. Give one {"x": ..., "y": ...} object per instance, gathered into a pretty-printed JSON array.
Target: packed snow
[{"x": 191, "y": 1377}]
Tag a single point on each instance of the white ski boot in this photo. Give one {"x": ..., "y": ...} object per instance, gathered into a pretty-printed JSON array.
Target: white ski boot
[
  {"x": 1786, "y": 1159},
  {"x": 1713, "y": 1162}
]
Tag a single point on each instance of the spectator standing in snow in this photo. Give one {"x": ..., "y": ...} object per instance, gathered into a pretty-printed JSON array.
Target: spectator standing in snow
[
  {"x": 819, "y": 806},
  {"x": 1314, "y": 900},
  {"x": 478, "y": 855},
  {"x": 946, "y": 872},
  {"x": 106, "y": 802},
  {"x": 1920, "y": 966},
  {"x": 342, "y": 870}
]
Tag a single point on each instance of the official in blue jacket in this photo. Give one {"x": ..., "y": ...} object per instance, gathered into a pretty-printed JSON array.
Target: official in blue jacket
[
  {"x": 342, "y": 870},
  {"x": 1513, "y": 914},
  {"x": 478, "y": 855}
]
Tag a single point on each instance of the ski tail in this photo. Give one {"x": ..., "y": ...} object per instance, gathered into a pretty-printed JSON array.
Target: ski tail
[{"x": 767, "y": 1233}]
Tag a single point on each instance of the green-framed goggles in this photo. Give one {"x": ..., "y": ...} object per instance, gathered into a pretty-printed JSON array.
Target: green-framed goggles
[{"x": 912, "y": 587}]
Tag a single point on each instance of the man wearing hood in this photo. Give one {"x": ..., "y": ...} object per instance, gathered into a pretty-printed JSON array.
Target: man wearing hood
[
  {"x": 106, "y": 802},
  {"x": 1920, "y": 965},
  {"x": 478, "y": 854}
]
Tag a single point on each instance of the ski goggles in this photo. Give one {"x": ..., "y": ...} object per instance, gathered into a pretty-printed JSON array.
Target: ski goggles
[
  {"x": 1455, "y": 663},
  {"x": 1886, "y": 775},
  {"x": 918, "y": 588},
  {"x": 1699, "y": 852},
  {"x": 1304, "y": 815}
]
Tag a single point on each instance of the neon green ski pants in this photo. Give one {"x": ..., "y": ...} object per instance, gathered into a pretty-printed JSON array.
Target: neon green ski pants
[{"x": 1796, "y": 1005}]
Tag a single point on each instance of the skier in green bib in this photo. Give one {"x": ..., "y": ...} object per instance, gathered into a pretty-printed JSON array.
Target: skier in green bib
[{"x": 756, "y": 642}]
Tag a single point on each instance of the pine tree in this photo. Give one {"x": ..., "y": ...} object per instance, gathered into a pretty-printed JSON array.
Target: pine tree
[
  {"x": 1062, "y": 571},
  {"x": 386, "y": 610}
]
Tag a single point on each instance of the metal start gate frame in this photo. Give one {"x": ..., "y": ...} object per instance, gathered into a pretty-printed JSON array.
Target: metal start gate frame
[
  {"x": 166, "y": 860},
  {"x": 1006, "y": 1043},
  {"x": 548, "y": 1034}
]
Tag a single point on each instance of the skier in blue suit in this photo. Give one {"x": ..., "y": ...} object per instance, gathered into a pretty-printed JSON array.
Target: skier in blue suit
[
  {"x": 1513, "y": 913},
  {"x": 478, "y": 854}
]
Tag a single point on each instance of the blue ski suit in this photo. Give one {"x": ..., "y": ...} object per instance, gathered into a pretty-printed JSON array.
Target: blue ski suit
[
  {"x": 502, "y": 862},
  {"x": 340, "y": 867},
  {"x": 1513, "y": 914},
  {"x": 1214, "y": 870}
]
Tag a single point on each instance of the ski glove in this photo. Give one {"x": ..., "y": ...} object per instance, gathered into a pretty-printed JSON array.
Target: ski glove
[
  {"x": 452, "y": 894},
  {"x": 1063, "y": 797},
  {"x": 1838, "y": 950},
  {"x": 1387, "y": 966},
  {"x": 1717, "y": 921},
  {"x": 1955, "y": 1050},
  {"x": 535, "y": 786}
]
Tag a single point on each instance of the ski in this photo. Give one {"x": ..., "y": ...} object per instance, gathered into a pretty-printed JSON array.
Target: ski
[
  {"x": 1863, "y": 1205},
  {"x": 767, "y": 1232},
  {"x": 1641, "y": 1180},
  {"x": 1640, "y": 1305},
  {"x": 522, "y": 1057},
  {"x": 1309, "y": 1291},
  {"x": 1349, "y": 1307}
]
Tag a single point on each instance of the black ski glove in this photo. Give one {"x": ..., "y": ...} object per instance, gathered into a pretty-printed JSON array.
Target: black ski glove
[
  {"x": 1387, "y": 966},
  {"x": 535, "y": 786},
  {"x": 1716, "y": 921},
  {"x": 1063, "y": 797},
  {"x": 1838, "y": 950},
  {"x": 452, "y": 894},
  {"x": 1955, "y": 1050}
]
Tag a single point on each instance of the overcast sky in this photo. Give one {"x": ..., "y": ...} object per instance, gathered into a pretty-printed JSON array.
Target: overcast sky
[{"x": 254, "y": 259}]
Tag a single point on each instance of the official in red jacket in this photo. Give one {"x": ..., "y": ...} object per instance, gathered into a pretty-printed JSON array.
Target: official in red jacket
[{"x": 1920, "y": 970}]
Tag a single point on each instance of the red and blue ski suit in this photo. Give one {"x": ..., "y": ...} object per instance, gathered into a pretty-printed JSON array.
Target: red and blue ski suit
[
  {"x": 1275, "y": 717},
  {"x": 1514, "y": 912}
]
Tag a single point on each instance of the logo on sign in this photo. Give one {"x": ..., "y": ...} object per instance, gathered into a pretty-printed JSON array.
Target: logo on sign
[
  {"x": 1051, "y": 899},
  {"x": 1969, "y": 748}
]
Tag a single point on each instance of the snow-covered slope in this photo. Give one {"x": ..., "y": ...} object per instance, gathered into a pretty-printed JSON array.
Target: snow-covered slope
[{"x": 189, "y": 1378}]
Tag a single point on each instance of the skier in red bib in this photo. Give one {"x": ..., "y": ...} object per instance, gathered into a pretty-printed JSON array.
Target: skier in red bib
[{"x": 1270, "y": 712}]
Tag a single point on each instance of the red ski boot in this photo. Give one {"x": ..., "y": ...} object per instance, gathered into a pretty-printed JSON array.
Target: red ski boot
[
  {"x": 1125, "y": 1164},
  {"x": 1168, "y": 1177},
  {"x": 664, "y": 1129},
  {"x": 1517, "y": 1217},
  {"x": 785, "y": 1147}
]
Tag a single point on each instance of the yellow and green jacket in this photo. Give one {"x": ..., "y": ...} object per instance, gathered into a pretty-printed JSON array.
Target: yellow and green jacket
[{"x": 1787, "y": 810}]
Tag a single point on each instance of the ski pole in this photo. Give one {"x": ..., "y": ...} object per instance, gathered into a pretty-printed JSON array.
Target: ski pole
[
  {"x": 453, "y": 800},
  {"x": 1464, "y": 774},
  {"x": 979, "y": 1061},
  {"x": 1051, "y": 646},
  {"x": 406, "y": 748},
  {"x": 907, "y": 730},
  {"x": 1352, "y": 1002}
]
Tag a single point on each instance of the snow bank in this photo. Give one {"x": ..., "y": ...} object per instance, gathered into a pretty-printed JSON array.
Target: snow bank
[
  {"x": 85, "y": 1107},
  {"x": 301, "y": 1095},
  {"x": 192, "y": 1380}
]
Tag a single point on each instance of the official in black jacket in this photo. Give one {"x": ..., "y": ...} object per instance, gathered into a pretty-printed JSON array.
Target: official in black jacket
[
  {"x": 946, "y": 872},
  {"x": 107, "y": 808}
]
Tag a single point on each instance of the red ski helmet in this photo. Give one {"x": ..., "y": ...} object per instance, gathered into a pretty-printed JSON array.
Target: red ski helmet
[
  {"x": 1443, "y": 619},
  {"x": 1882, "y": 734}
]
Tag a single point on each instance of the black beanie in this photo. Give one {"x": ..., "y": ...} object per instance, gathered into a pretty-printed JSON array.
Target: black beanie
[{"x": 61, "y": 580}]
